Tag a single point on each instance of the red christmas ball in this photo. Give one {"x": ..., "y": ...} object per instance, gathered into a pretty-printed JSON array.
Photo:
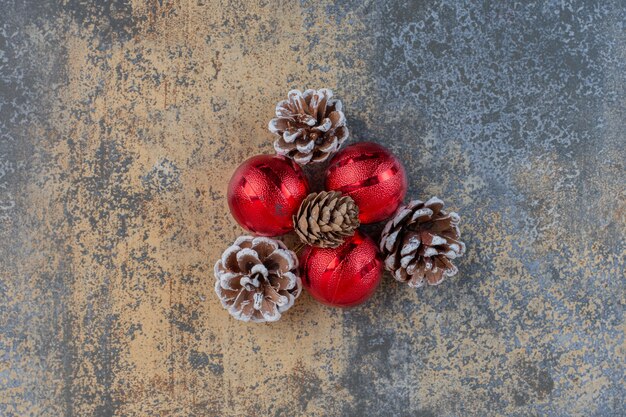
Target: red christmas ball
[
  {"x": 265, "y": 192},
  {"x": 344, "y": 276},
  {"x": 372, "y": 176}
]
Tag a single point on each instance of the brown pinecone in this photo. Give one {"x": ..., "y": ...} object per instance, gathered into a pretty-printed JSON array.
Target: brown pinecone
[
  {"x": 419, "y": 243},
  {"x": 311, "y": 126},
  {"x": 257, "y": 279},
  {"x": 325, "y": 219}
]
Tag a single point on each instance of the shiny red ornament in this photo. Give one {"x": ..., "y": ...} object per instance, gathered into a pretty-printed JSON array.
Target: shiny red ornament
[
  {"x": 344, "y": 276},
  {"x": 372, "y": 176},
  {"x": 265, "y": 192}
]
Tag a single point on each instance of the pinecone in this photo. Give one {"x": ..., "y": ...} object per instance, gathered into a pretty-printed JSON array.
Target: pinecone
[
  {"x": 325, "y": 219},
  {"x": 257, "y": 279},
  {"x": 419, "y": 243},
  {"x": 311, "y": 126}
]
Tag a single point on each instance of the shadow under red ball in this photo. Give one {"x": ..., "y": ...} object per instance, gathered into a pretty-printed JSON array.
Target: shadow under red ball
[{"x": 265, "y": 192}]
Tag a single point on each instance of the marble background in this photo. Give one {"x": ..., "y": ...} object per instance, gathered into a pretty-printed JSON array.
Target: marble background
[{"x": 122, "y": 121}]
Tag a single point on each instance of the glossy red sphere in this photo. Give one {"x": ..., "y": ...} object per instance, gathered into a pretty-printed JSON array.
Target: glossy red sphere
[
  {"x": 372, "y": 176},
  {"x": 343, "y": 276},
  {"x": 265, "y": 192}
]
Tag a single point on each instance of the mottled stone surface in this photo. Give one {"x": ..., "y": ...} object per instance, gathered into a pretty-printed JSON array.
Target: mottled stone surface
[{"x": 121, "y": 122}]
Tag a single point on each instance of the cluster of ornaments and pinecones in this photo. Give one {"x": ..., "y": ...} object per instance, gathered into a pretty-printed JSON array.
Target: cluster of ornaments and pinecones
[{"x": 258, "y": 277}]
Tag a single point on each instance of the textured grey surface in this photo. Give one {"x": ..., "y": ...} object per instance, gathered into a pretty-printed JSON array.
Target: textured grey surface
[{"x": 121, "y": 122}]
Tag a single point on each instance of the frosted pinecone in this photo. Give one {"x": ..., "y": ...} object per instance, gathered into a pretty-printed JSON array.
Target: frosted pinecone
[
  {"x": 310, "y": 125},
  {"x": 257, "y": 279},
  {"x": 420, "y": 242}
]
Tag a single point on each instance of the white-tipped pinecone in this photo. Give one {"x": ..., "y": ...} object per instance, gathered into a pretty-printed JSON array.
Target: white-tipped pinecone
[
  {"x": 420, "y": 242},
  {"x": 257, "y": 279},
  {"x": 310, "y": 125}
]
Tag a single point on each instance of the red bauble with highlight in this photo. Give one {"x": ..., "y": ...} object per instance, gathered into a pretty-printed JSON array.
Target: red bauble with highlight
[
  {"x": 372, "y": 176},
  {"x": 265, "y": 192},
  {"x": 343, "y": 276}
]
